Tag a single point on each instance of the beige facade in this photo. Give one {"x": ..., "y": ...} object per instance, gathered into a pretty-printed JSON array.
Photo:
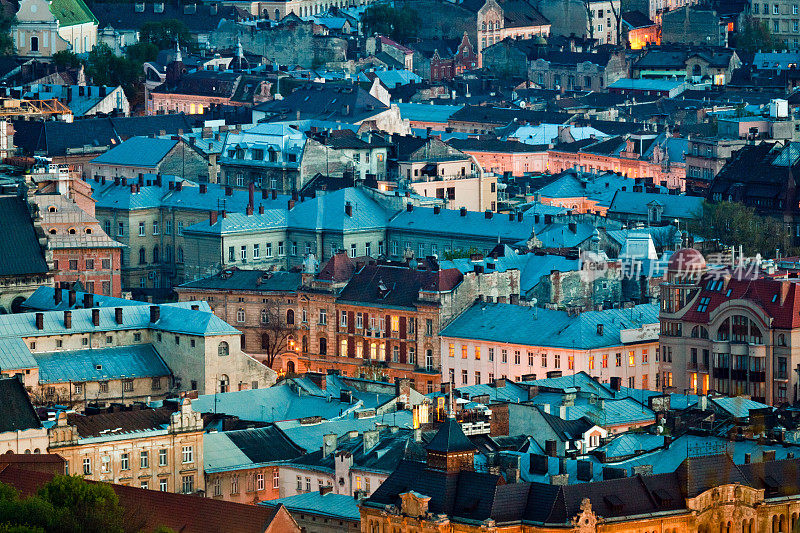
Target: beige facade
[
  {"x": 26, "y": 441},
  {"x": 38, "y": 31},
  {"x": 492, "y": 27},
  {"x": 477, "y": 193},
  {"x": 169, "y": 460}
]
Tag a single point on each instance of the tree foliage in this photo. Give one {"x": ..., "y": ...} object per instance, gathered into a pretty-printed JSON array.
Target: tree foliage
[
  {"x": 66, "y": 504},
  {"x": 735, "y": 224},
  {"x": 755, "y": 35},
  {"x": 400, "y": 24},
  {"x": 276, "y": 335},
  {"x": 164, "y": 34},
  {"x": 7, "y": 47},
  {"x": 66, "y": 59}
]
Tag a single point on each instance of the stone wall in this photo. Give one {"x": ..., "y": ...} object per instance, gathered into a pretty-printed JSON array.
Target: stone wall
[{"x": 287, "y": 44}]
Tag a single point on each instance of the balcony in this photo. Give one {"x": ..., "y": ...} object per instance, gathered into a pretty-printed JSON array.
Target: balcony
[
  {"x": 721, "y": 373},
  {"x": 739, "y": 375}
]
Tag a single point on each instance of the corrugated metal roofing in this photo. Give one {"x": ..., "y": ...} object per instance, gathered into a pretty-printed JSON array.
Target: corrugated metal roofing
[
  {"x": 15, "y": 355},
  {"x": 547, "y": 327},
  {"x": 334, "y": 505},
  {"x": 119, "y": 362},
  {"x": 137, "y": 152}
]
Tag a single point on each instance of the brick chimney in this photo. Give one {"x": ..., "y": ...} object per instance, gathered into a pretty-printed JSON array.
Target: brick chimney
[
  {"x": 155, "y": 313},
  {"x": 40, "y": 321},
  {"x": 96, "y": 317},
  {"x": 67, "y": 319},
  {"x": 88, "y": 300},
  {"x": 118, "y": 315},
  {"x": 72, "y": 298}
]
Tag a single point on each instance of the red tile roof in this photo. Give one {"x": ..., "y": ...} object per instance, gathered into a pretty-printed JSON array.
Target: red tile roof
[
  {"x": 785, "y": 309},
  {"x": 149, "y": 509}
]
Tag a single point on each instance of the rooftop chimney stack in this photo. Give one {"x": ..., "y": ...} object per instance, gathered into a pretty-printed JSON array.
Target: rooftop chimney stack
[
  {"x": 88, "y": 300},
  {"x": 155, "y": 313},
  {"x": 73, "y": 296},
  {"x": 95, "y": 317},
  {"x": 40, "y": 321},
  {"x": 118, "y": 315},
  {"x": 67, "y": 319}
]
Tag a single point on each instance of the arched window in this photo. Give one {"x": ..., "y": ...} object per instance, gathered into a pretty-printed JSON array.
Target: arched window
[
  {"x": 699, "y": 332},
  {"x": 781, "y": 340},
  {"x": 180, "y": 254},
  {"x": 223, "y": 349},
  {"x": 305, "y": 344},
  {"x": 264, "y": 341},
  {"x": 71, "y": 231},
  {"x": 52, "y": 231},
  {"x": 224, "y": 383},
  {"x": 264, "y": 316},
  {"x": 483, "y": 26},
  {"x": 724, "y": 331},
  {"x": 142, "y": 259},
  {"x": 290, "y": 316},
  {"x": 240, "y": 315},
  {"x": 34, "y": 44},
  {"x": 277, "y": 15},
  {"x": 156, "y": 255},
  {"x": 88, "y": 231}
]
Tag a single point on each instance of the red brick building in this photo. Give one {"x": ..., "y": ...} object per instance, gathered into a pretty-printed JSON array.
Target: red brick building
[
  {"x": 82, "y": 251},
  {"x": 445, "y": 66}
]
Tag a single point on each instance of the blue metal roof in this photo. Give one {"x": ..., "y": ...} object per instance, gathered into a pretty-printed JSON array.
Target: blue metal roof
[
  {"x": 472, "y": 224},
  {"x": 137, "y": 152},
  {"x": 428, "y": 112},
  {"x": 547, "y": 327},
  {"x": 334, "y": 505},
  {"x": 119, "y": 362},
  {"x": 15, "y": 355},
  {"x": 173, "y": 318},
  {"x": 110, "y": 196}
]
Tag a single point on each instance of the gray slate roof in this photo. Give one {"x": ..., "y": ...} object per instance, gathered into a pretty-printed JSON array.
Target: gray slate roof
[{"x": 20, "y": 253}]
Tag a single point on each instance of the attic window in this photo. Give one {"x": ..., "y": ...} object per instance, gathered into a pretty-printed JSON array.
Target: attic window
[
  {"x": 701, "y": 308},
  {"x": 728, "y": 293},
  {"x": 52, "y": 209},
  {"x": 71, "y": 231},
  {"x": 52, "y": 231},
  {"x": 614, "y": 503}
]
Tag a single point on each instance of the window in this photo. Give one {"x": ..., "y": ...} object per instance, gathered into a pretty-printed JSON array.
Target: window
[
  {"x": 645, "y": 356},
  {"x": 544, "y": 360},
  {"x": 343, "y": 348},
  {"x": 87, "y": 466},
  {"x": 105, "y": 464},
  {"x": 294, "y": 247},
  {"x": 411, "y": 355},
  {"x": 557, "y": 361},
  {"x": 188, "y": 454},
  {"x": 343, "y": 319},
  {"x": 78, "y": 388},
  {"x": 491, "y": 354},
  {"x": 631, "y": 358},
  {"x": 256, "y": 251},
  {"x": 243, "y": 253},
  {"x": 127, "y": 385},
  {"x": 240, "y": 315},
  {"x": 90, "y": 264},
  {"x": 259, "y": 481},
  {"x": 359, "y": 321},
  {"x": 162, "y": 457},
  {"x": 619, "y": 359},
  {"x": 141, "y": 229},
  {"x": 605, "y": 360},
  {"x": 299, "y": 483},
  {"x": 323, "y": 317},
  {"x": 516, "y": 357},
  {"x": 162, "y": 485},
  {"x": 477, "y": 353},
  {"x": 571, "y": 362},
  {"x": 268, "y": 249},
  {"x": 104, "y": 386},
  {"x": 504, "y": 356},
  {"x": 187, "y": 484},
  {"x": 463, "y": 351},
  {"x": 144, "y": 460},
  {"x": 180, "y": 228},
  {"x": 290, "y": 317},
  {"x": 428, "y": 326},
  {"x": 464, "y": 377},
  {"x": 120, "y": 229},
  {"x": 155, "y": 227},
  {"x": 223, "y": 349}
]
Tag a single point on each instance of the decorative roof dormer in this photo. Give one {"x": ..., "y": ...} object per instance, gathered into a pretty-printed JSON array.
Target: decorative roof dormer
[{"x": 450, "y": 450}]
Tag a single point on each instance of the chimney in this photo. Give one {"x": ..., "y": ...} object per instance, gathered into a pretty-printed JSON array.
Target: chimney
[
  {"x": 88, "y": 300},
  {"x": 274, "y": 193},
  {"x": 178, "y": 185},
  {"x": 348, "y": 209},
  {"x": 436, "y": 209},
  {"x": 124, "y": 182},
  {"x": 116, "y": 180},
  {"x": 519, "y": 216},
  {"x": 548, "y": 219},
  {"x": 251, "y": 190},
  {"x": 57, "y": 295},
  {"x": 462, "y": 211},
  {"x": 249, "y": 210},
  {"x": 203, "y": 188},
  {"x": 40, "y": 321},
  {"x": 747, "y": 458},
  {"x": 371, "y": 439},
  {"x": 511, "y": 217},
  {"x": 550, "y": 448},
  {"x": 228, "y": 190},
  {"x": 95, "y": 317},
  {"x": 264, "y": 194},
  {"x": 72, "y": 297},
  {"x": 329, "y": 444},
  {"x": 295, "y": 195},
  {"x": 585, "y": 470},
  {"x": 290, "y": 204},
  {"x": 223, "y": 213},
  {"x": 133, "y": 188},
  {"x": 487, "y": 214},
  {"x": 155, "y": 313},
  {"x": 409, "y": 207},
  {"x": 171, "y": 185},
  {"x": 67, "y": 319},
  {"x": 212, "y": 218},
  {"x": 118, "y": 315},
  {"x": 195, "y": 307},
  {"x": 261, "y": 209},
  {"x": 573, "y": 227}
]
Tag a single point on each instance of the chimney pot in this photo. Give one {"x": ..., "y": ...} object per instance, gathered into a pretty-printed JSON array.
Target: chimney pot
[
  {"x": 260, "y": 209},
  {"x": 203, "y": 188},
  {"x": 96, "y": 317},
  {"x": 40, "y": 321},
  {"x": 463, "y": 211},
  {"x": 212, "y": 218}
]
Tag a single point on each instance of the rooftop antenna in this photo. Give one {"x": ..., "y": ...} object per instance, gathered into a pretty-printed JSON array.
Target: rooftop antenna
[{"x": 178, "y": 56}]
